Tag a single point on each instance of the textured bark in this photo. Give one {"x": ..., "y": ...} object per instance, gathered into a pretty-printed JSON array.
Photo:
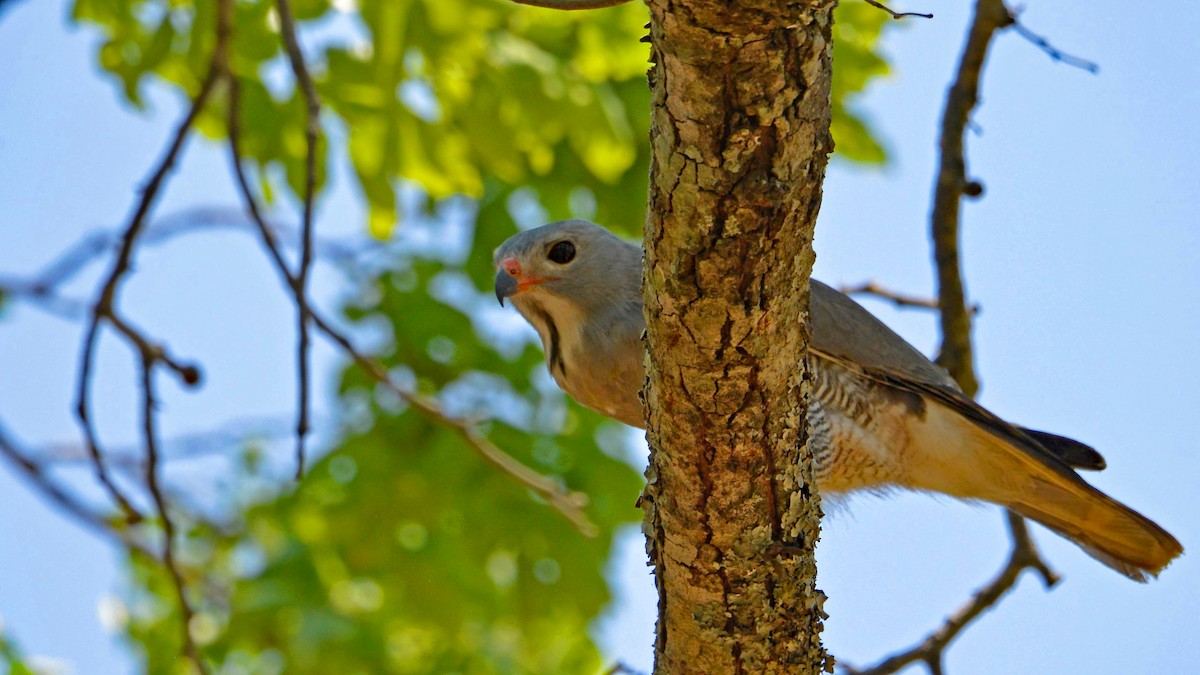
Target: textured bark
[{"x": 740, "y": 137}]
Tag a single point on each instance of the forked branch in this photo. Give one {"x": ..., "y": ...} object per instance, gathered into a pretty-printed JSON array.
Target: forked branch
[
  {"x": 312, "y": 131},
  {"x": 956, "y": 355},
  {"x": 895, "y": 14},
  {"x": 567, "y": 502}
]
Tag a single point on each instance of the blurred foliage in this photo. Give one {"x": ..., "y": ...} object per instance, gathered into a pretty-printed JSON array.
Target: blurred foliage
[
  {"x": 450, "y": 94},
  {"x": 857, "y": 61},
  {"x": 402, "y": 551},
  {"x": 12, "y": 662}
]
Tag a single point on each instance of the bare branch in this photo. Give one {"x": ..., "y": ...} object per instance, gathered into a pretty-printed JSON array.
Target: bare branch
[
  {"x": 189, "y": 373},
  {"x": 269, "y": 241},
  {"x": 36, "y": 476},
  {"x": 151, "y": 353},
  {"x": 153, "y": 485},
  {"x": 1055, "y": 54},
  {"x": 571, "y": 4},
  {"x": 103, "y": 307},
  {"x": 897, "y": 15},
  {"x": 236, "y": 432},
  {"x": 45, "y": 298},
  {"x": 567, "y": 502},
  {"x": 312, "y": 131},
  {"x": 42, "y": 289},
  {"x": 877, "y": 290},
  {"x": 63, "y": 268},
  {"x": 930, "y": 651}
]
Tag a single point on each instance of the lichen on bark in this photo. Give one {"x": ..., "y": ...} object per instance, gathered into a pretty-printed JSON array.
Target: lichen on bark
[{"x": 740, "y": 138}]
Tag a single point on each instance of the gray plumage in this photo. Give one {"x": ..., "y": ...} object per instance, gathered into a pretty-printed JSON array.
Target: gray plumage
[{"x": 881, "y": 414}]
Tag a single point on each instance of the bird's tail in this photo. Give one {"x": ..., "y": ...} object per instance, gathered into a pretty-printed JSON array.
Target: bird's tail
[
  {"x": 1038, "y": 486},
  {"x": 1106, "y": 529}
]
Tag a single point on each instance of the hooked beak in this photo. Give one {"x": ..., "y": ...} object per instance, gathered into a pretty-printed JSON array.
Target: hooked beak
[
  {"x": 511, "y": 280},
  {"x": 506, "y": 285}
]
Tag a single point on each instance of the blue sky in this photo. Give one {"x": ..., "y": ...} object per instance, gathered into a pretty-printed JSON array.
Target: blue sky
[{"x": 1084, "y": 254}]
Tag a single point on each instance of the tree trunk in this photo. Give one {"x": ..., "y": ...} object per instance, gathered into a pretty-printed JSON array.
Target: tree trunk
[{"x": 740, "y": 136}]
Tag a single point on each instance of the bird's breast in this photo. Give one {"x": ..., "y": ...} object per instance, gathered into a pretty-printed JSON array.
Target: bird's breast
[{"x": 860, "y": 430}]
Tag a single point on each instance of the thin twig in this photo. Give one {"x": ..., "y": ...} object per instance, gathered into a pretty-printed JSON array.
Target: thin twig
[
  {"x": 45, "y": 298},
  {"x": 265, "y": 232},
  {"x": 897, "y": 15},
  {"x": 291, "y": 43},
  {"x": 103, "y": 308},
  {"x": 36, "y": 476},
  {"x": 236, "y": 432},
  {"x": 187, "y": 372},
  {"x": 620, "y": 668},
  {"x": 150, "y": 352},
  {"x": 567, "y": 502},
  {"x": 153, "y": 485},
  {"x": 571, "y": 4},
  {"x": 64, "y": 268},
  {"x": 877, "y": 290},
  {"x": 932, "y": 649},
  {"x": 42, "y": 288},
  {"x": 1054, "y": 53}
]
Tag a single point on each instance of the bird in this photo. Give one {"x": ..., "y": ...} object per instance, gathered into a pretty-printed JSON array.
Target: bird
[{"x": 881, "y": 415}]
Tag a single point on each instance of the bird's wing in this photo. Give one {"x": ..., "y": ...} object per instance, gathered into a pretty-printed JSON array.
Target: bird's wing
[
  {"x": 959, "y": 448},
  {"x": 845, "y": 333},
  {"x": 842, "y": 328}
]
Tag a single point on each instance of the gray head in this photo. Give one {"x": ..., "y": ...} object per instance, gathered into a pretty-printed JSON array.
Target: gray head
[
  {"x": 580, "y": 287},
  {"x": 570, "y": 261}
]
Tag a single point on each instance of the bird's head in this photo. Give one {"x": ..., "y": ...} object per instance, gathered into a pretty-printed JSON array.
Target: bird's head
[{"x": 571, "y": 262}]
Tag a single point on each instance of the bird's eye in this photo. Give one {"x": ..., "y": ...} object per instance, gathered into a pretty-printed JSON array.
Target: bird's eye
[{"x": 562, "y": 253}]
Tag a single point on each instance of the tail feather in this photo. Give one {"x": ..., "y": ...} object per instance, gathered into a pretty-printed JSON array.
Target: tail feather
[
  {"x": 1037, "y": 485},
  {"x": 1077, "y": 455},
  {"x": 1106, "y": 529}
]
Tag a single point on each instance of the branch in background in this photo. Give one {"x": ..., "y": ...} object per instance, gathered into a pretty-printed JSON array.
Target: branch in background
[
  {"x": 1055, "y": 54},
  {"x": 46, "y": 299},
  {"x": 991, "y": 16},
  {"x": 567, "y": 502},
  {"x": 36, "y": 476},
  {"x": 897, "y": 15},
  {"x": 43, "y": 288},
  {"x": 620, "y": 668},
  {"x": 571, "y": 4},
  {"x": 932, "y": 649},
  {"x": 152, "y": 354},
  {"x": 104, "y": 307},
  {"x": 150, "y": 438},
  {"x": 312, "y": 130},
  {"x": 875, "y": 289},
  {"x": 189, "y": 373},
  {"x": 237, "y": 432}
]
